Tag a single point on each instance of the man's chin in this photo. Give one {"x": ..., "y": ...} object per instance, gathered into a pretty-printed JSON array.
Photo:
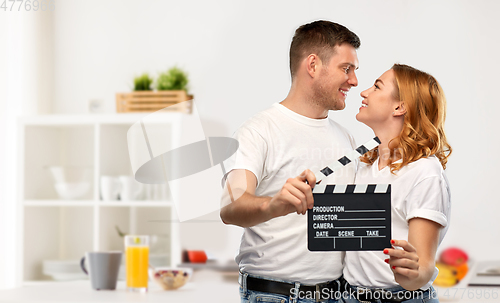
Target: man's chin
[{"x": 339, "y": 105}]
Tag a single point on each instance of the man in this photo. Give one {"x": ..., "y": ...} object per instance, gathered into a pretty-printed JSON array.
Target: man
[{"x": 292, "y": 138}]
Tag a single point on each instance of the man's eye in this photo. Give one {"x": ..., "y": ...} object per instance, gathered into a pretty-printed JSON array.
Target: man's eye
[{"x": 346, "y": 70}]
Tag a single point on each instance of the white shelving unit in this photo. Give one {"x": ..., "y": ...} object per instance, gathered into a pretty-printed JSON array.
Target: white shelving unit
[{"x": 55, "y": 229}]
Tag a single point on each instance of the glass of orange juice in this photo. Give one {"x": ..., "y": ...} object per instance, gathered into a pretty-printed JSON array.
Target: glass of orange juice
[{"x": 137, "y": 261}]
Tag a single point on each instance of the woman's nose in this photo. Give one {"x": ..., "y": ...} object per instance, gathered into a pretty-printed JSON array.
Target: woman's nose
[{"x": 364, "y": 93}]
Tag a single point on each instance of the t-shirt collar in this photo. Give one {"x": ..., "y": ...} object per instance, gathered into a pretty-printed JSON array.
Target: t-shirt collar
[{"x": 300, "y": 118}]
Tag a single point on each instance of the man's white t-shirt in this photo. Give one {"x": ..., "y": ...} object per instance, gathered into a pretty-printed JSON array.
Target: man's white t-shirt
[
  {"x": 275, "y": 145},
  {"x": 418, "y": 190}
]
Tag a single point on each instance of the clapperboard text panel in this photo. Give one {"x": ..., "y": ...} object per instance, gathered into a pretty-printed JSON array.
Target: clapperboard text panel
[{"x": 350, "y": 218}]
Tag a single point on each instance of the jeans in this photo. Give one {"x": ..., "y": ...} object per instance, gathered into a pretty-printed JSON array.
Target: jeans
[
  {"x": 250, "y": 296},
  {"x": 428, "y": 296}
]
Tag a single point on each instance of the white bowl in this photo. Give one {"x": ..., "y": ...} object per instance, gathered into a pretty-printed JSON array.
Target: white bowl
[
  {"x": 61, "y": 265},
  {"x": 72, "y": 191},
  {"x": 71, "y": 182},
  {"x": 63, "y": 270},
  {"x": 170, "y": 278},
  {"x": 71, "y": 174}
]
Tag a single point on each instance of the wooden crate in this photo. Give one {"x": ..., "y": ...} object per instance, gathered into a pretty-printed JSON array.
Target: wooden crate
[{"x": 151, "y": 101}]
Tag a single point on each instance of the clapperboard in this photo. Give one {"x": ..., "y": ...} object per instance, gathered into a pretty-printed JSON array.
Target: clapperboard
[{"x": 349, "y": 217}]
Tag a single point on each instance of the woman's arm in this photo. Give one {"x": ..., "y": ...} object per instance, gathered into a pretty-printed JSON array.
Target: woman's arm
[{"x": 414, "y": 266}]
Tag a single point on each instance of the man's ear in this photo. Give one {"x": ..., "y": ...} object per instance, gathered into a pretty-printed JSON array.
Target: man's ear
[
  {"x": 312, "y": 65},
  {"x": 400, "y": 110}
]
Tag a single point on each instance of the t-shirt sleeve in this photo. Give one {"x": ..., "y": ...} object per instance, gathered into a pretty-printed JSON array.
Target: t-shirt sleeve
[
  {"x": 429, "y": 199},
  {"x": 250, "y": 155}
]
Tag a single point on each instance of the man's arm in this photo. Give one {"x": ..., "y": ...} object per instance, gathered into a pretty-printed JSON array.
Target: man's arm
[{"x": 243, "y": 208}]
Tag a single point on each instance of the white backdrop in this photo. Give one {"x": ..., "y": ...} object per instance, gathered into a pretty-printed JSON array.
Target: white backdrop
[
  {"x": 236, "y": 53},
  {"x": 26, "y": 84}
]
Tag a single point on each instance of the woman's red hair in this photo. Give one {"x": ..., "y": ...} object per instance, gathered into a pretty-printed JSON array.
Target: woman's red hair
[{"x": 423, "y": 129}]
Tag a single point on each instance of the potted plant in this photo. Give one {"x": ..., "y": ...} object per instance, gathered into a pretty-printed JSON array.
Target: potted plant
[{"x": 171, "y": 89}]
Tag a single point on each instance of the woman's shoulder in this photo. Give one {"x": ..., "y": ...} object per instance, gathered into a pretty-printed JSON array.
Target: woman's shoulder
[{"x": 429, "y": 166}]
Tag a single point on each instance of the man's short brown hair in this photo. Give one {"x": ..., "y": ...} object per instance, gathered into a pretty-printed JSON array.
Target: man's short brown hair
[{"x": 319, "y": 37}]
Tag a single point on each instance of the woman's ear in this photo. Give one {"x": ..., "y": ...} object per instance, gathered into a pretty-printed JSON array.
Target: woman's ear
[{"x": 400, "y": 110}]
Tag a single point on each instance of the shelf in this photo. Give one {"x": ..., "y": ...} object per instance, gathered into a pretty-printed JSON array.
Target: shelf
[
  {"x": 55, "y": 233},
  {"x": 136, "y": 203},
  {"x": 142, "y": 203},
  {"x": 53, "y": 228},
  {"x": 58, "y": 203},
  {"x": 86, "y": 119}
]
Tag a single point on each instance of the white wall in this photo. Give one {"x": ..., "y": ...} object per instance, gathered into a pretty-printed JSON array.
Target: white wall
[
  {"x": 5, "y": 206},
  {"x": 236, "y": 53},
  {"x": 25, "y": 88}
]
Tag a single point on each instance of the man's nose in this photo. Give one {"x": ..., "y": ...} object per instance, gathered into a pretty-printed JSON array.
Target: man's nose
[{"x": 353, "y": 80}]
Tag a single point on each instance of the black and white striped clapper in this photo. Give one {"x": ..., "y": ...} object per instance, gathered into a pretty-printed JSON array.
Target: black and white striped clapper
[
  {"x": 350, "y": 217},
  {"x": 350, "y": 157}
]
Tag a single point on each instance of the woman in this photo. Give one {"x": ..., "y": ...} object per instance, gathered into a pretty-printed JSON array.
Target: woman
[{"x": 406, "y": 109}]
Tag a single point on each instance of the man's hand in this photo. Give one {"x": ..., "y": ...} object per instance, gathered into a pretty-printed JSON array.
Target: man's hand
[
  {"x": 294, "y": 196},
  {"x": 241, "y": 207}
]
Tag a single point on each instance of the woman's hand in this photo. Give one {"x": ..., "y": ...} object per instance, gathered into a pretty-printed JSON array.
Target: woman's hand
[
  {"x": 403, "y": 262},
  {"x": 414, "y": 264}
]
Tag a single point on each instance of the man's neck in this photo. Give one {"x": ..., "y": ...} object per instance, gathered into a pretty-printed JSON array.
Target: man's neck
[{"x": 303, "y": 105}]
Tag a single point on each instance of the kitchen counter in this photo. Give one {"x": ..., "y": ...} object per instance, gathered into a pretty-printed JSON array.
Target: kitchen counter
[{"x": 205, "y": 286}]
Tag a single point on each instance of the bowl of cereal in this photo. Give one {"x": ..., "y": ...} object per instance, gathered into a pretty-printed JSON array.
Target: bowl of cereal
[{"x": 170, "y": 278}]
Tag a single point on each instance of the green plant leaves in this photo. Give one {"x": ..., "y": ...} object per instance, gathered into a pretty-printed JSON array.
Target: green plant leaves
[
  {"x": 143, "y": 82},
  {"x": 173, "y": 79}
]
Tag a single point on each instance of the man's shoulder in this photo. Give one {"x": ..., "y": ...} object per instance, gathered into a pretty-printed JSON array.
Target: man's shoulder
[{"x": 261, "y": 120}]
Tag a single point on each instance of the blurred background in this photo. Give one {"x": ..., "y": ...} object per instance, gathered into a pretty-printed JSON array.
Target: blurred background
[{"x": 236, "y": 54}]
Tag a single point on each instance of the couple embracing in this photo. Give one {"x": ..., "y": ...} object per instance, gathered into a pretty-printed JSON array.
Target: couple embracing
[{"x": 406, "y": 110}]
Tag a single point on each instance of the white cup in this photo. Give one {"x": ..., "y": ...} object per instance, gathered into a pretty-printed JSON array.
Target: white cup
[
  {"x": 129, "y": 188},
  {"x": 110, "y": 188}
]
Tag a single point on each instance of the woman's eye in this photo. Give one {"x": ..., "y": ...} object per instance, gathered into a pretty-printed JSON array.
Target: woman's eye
[{"x": 376, "y": 86}]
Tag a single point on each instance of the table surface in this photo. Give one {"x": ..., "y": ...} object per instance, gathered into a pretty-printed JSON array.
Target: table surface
[{"x": 205, "y": 286}]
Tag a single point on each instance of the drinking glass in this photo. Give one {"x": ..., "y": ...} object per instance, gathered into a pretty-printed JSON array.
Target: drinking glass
[{"x": 137, "y": 261}]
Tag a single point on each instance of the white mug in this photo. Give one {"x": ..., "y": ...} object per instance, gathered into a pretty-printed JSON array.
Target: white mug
[
  {"x": 110, "y": 188},
  {"x": 129, "y": 188}
]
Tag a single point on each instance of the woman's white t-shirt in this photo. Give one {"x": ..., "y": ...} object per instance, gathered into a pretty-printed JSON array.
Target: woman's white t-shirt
[{"x": 418, "y": 190}]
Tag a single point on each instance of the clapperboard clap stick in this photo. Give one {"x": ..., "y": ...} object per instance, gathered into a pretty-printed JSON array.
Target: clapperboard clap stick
[
  {"x": 349, "y": 217},
  {"x": 352, "y": 156}
]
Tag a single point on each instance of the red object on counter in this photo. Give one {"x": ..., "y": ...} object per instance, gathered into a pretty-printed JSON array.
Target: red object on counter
[
  {"x": 454, "y": 256},
  {"x": 197, "y": 256}
]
